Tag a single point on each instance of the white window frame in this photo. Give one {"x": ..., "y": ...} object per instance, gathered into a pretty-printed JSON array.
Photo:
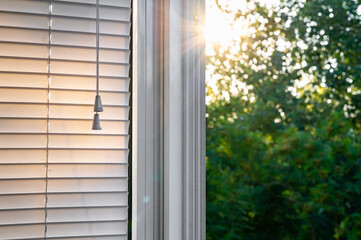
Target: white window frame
[{"x": 168, "y": 120}]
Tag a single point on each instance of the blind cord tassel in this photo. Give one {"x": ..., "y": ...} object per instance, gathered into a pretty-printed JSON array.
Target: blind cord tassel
[{"x": 98, "y": 106}]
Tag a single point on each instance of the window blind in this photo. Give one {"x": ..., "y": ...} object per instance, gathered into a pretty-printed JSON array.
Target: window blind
[{"x": 58, "y": 178}]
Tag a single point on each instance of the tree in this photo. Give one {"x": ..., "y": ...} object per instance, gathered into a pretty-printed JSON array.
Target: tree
[{"x": 284, "y": 150}]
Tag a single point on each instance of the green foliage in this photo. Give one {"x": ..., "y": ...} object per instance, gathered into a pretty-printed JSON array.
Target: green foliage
[{"x": 284, "y": 160}]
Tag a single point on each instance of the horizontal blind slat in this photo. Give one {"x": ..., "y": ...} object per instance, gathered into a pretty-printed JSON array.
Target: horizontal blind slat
[
  {"x": 88, "y": 83},
  {"x": 23, "y": 65},
  {"x": 40, "y": 7},
  {"x": 87, "y": 97},
  {"x": 88, "y": 170},
  {"x": 58, "y": 111},
  {"x": 38, "y": 22},
  {"x": 76, "y": 126},
  {"x": 22, "y": 156},
  {"x": 63, "y": 67},
  {"x": 24, "y": 35},
  {"x": 23, "y": 80},
  {"x": 93, "y": 237},
  {"x": 104, "y": 142},
  {"x": 20, "y": 202},
  {"x": 100, "y": 214},
  {"x": 113, "y": 3},
  {"x": 27, "y": 216},
  {"x": 22, "y": 141},
  {"x": 22, "y": 110},
  {"x": 30, "y": 110},
  {"x": 23, "y": 232},
  {"x": 24, "y": 20},
  {"x": 87, "y": 199},
  {"x": 86, "y": 185},
  {"x": 23, "y": 126},
  {"x": 60, "y": 230},
  {"x": 23, "y": 95},
  {"x": 67, "y": 8}
]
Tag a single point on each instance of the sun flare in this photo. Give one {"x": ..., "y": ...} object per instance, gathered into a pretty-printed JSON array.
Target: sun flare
[{"x": 221, "y": 27}]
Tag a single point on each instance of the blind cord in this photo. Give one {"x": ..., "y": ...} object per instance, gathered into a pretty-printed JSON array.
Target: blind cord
[
  {"x": 98, "y": 107},
  {"x": 97, "y": 44},
  {"x": 48, "y": 122}
]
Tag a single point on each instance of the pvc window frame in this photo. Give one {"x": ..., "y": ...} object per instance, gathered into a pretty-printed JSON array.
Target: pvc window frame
[{"x": 168, "y": 113}]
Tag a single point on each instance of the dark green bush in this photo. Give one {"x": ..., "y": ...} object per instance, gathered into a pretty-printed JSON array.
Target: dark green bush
[{"x": 284, "y": 162}]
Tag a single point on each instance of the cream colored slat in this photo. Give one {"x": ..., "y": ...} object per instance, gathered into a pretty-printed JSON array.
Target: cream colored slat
[
  {"x": 22, "y": 171},
  {"x": 88, "y": 170},
  {"x": 23, "y": 80},
  {"x": 74, "y": 10},
  {"x": 82, "y": 25},
  {"x": 26, "y": 217},
  {"x": 23, "y": 50},
  {"x": 80, "y": 54},
  {"x": 111, "y": 13},
  {"x": 23, "y": 65},
  {"x": 60, "y": 112},
  {"x": 22, "y": 110},
  {"x": 90, "y": 214},
  {"x": 21, "y": 232},
  {"x": 57, "y": 96},
  {"x": 63, "y": 38},
  {"x": 23, "y": 126},
  {"x": 22, "y": 141},
  {"x": 22, "y": 201},
  {"x": 65, "y": 9},
  {"x": 114, "y": 42},
  {"x": 115, "y": 3},
  {"x": 80, "y": 1},
  {"x": 23, "y": 95},
  {"x": 88, "y": 83},
  {"x": 87, "y": 185},
  {"x": 81, "y": 127},
  {"x": 63, "y": 185},
  {"x": 88, "y": 156},
  {"x": 87, "y": 199},
  {"x": 120, "y": 3},
  {"x": 80, "y": 229},
  {"x": 25, "y": 6},
  {"x": 108, "y": 28},
  {"x": 114, "y": 70},
  {"x": 24, "y": 35},
  {"x": 103, "y": 237},
  {"x": 86, "y": 142},
  {"x": 89, "y": 11},
  {"x": 62, "y": 53},
  {"x": 65, "y": 24},
  {"x": 80, "y": 112},
  {"x": 114, "y": 56},
  {"x": 83, "y": 54},
  {"x": 22, "y": 186},
  {"x": 76, "y": 39},
  {"x": 24, "y": 20},
  {"x": 111, "y": 70},
  {"x": 88, "y": 40},
  {"x": 85, "y": 25},
  {"x": 22, "y": 156}
]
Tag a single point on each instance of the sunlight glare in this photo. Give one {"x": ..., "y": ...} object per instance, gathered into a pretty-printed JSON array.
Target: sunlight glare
[
  {"x": 220, "y": 26},
  {"x": 222, "y": 29}
]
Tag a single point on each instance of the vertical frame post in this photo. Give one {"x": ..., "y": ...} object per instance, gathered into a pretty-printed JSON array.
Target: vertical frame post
[{"x": 168, "y": 120}]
